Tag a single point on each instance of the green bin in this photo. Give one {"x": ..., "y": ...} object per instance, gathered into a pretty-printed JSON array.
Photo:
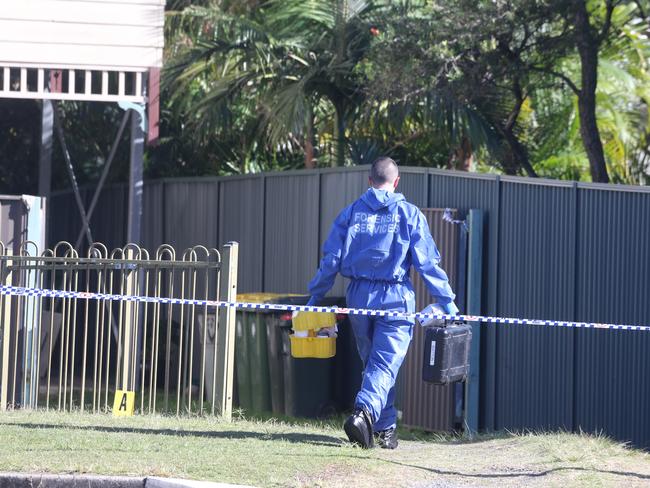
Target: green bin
[
  {"x": 242, "y": 367},
  {"x": 258, "y": 362},
  {"x": 251, "y": 355},
  {"x": 275, "y": 325}
]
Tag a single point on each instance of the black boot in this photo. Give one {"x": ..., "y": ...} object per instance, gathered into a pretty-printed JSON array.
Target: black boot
[
  {"x": 358, "y": 427},
  {"x": 387, "y": 439}
]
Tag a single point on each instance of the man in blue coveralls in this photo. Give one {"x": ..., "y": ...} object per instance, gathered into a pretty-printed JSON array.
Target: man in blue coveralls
[{"x": 374, "y": 242}]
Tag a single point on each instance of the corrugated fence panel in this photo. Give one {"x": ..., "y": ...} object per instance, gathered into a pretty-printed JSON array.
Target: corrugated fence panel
[
  {"x": 152, "y": 215},
  {"x": 414, "y": 185},
  {"x": 534, "y": 380},
  {"x": 63, "y": 218},
  {"x": 463, "y": 192},
  {"x": 337, "y": 191},
  {"x": 109, "y": 220},
  {"x": 424, "y": 405},
  {"x": 242, "y": 220},
  {"x": 291, "y": 228},
  {"x": 612, "y": 384},
  {"x": 191, "y": 214}
]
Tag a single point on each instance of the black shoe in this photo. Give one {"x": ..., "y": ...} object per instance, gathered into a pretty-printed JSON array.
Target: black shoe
[
  {"x": 387, "y": 439},
  {"x": 358, "y": 427}
]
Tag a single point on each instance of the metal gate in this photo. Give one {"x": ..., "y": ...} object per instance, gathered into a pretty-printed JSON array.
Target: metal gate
[{"x": 70, "y": 353}]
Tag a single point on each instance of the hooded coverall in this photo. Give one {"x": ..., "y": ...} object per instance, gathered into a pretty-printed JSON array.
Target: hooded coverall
[{"x": 374, "y": 242}]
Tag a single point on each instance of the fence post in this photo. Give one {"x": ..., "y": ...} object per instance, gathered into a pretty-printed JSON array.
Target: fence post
[
  {"x": 129, "y": 321},
  {"x": 5, "y": 319},
  {"x": 226, "y": 330},
  {"x": 474, "y": 281}
]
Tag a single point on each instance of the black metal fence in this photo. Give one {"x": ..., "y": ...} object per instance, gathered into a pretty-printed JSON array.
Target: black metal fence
[{"x": 556, "y": 250}]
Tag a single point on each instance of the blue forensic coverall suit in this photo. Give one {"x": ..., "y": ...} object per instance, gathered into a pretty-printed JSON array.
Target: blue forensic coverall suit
[{"x": 374, "y": 242}]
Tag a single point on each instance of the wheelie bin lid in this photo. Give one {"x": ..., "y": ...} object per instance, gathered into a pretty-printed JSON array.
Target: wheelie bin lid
[{"x": 259, "y": 297}]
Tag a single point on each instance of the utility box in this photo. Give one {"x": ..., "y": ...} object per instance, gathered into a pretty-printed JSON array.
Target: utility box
[
  {"x": 22, "y": 231},
  {"x": 22, "y": 218}
]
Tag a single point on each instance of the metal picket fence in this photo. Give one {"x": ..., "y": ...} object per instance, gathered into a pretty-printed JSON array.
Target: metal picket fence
[{"x": 72, "y": 354}]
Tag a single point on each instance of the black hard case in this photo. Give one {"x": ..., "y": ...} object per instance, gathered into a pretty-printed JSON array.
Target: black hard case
[{"x": 446, "y": 352}]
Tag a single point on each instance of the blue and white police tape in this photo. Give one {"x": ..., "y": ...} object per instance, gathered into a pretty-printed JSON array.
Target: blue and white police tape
[{"x": 47, "y": 293}]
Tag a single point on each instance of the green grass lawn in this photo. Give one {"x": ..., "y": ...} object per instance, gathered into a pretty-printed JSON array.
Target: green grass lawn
[{"x": 284, "y": 453}]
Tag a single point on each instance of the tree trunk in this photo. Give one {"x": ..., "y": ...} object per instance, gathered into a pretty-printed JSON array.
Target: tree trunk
[
  {"x": 462, "y": 157},
  {"x": 517, "y": 149},
  {"x": 309, "y": 139},
  {"x": 591, "y": 139},
  {"x": 339, "y": 151},
  {"x": 519, "y": 152},
  {"x": 339, "y": 104},
  {"x": 588, "y": 45}
]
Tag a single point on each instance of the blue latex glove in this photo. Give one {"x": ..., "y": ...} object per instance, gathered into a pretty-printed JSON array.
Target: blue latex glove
[
  {"x": 434, "y": 308},
  {"x": 450, "y": 308}
]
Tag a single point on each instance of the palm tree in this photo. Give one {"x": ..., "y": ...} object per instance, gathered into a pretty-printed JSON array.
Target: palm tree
[{"x": 287, "y": 62}]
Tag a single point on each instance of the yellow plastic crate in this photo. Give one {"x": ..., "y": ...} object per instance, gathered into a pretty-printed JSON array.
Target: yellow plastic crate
[
  {"x": 313, "y": 347},
  {"x": 313, "y": 320}
]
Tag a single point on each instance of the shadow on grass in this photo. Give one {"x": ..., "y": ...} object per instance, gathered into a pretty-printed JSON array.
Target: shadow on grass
[
  {"x": 329, "y": 441},
  {"x": 313, "y": 439},
  {"x": 518, "y": 474}
]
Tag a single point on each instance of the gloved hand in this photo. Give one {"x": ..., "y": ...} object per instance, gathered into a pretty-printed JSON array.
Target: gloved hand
[
  {"x": 434, "y": 308},
  {"x": 451, "y": 308},
  {"x": 327, "y": 331}
]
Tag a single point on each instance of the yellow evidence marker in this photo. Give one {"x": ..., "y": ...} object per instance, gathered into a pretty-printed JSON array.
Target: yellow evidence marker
[{"x": 124, "y": 404}]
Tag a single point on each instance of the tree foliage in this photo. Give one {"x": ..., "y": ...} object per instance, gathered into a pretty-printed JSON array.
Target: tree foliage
[
  {"x": 499, "y": 84},
  {"x": 551, "y": 88}
]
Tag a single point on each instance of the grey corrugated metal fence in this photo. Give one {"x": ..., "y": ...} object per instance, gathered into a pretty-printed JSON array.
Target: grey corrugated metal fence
[{"x": 557, "y": 250}]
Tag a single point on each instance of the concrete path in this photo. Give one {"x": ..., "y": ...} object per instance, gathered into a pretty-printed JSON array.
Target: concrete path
[{"x": 21, "y": 480}]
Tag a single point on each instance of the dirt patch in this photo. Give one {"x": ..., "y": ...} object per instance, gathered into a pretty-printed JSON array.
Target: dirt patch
[{"x": 514, "y": 462}]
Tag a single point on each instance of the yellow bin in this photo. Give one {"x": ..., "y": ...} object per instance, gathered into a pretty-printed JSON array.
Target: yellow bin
[
  {"x": 313, "y": 320},
  {"x": 313, "y": 347}
]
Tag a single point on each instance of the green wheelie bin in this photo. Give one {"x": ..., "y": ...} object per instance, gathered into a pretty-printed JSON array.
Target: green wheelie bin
[{"x": 251, "y": 355}]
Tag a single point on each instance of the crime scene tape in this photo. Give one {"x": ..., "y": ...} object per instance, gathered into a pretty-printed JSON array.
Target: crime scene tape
[{"x": 47, "y": 293}]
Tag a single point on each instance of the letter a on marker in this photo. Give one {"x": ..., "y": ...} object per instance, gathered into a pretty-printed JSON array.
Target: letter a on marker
[{"x": 124, "y": 403}]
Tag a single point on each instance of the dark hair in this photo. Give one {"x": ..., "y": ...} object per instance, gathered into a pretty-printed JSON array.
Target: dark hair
[{"x": 383, "y": 170}]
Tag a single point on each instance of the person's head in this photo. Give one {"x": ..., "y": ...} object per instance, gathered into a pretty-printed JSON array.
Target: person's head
[{"x": 384, "y": 174}]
